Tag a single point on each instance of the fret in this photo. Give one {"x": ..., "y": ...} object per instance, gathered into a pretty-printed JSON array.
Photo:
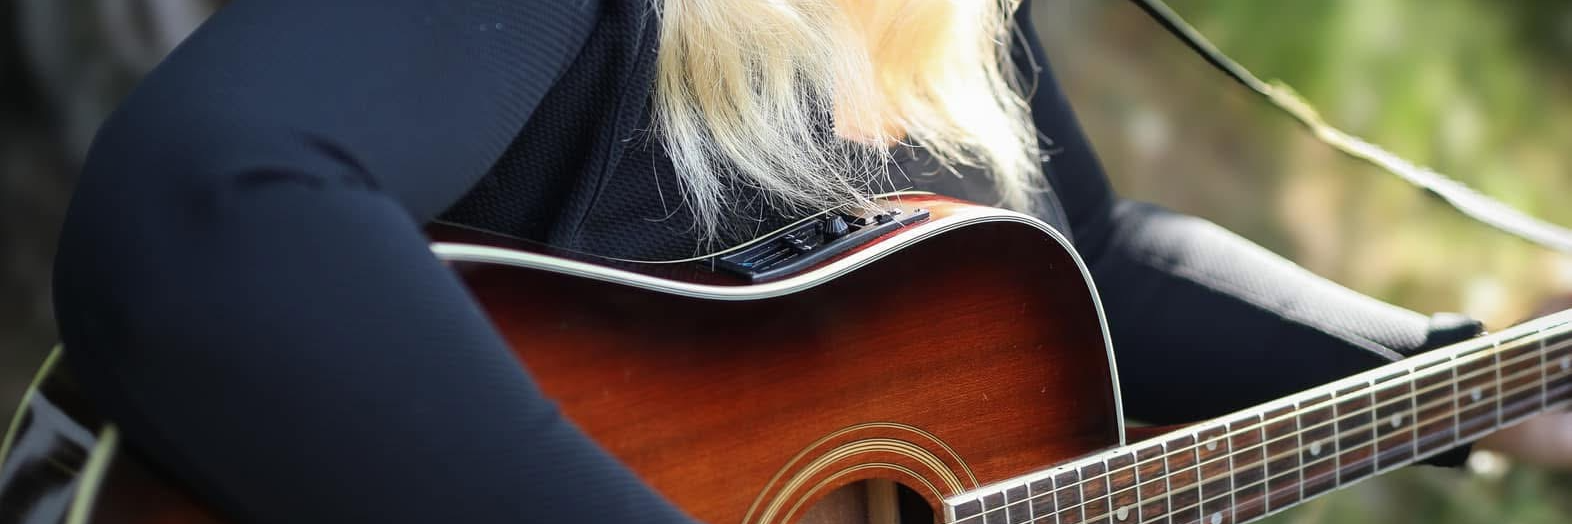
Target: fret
[
  {"x": 1457, "y": 434},
  {"x": 1299, "y": 446},
  {"x": 1544, "y": 369},
  {"x": 1215, "y": 457},
  {"x": 1318, "y": 459},
  {"x": 1495, "y": 367},
  {"x": 993, "y": 512},
  {"x": 1413, "y": 409},
  {"x": 1152, "y": 472},
  {"x": 1094, "y": 493},
  {"x": 1434, "y": 397},
  {"x": 1283, "y": 475},
  {"x": 1355, "y": 436},
  {"x": 1067, "y": 495},
  {"x": 1521, "y": 375},
  {"x": 1017, "y": 511},
  {"x": 1184, "y": 487},
  {"x": 969, "y": 512},
  {"x": 1394, "y": 417},
  {"x": 1558, "y": 385},
  {"x": 1043, "y": 506},
  {"x": 1245, "y": 441},
  {"x": 1123, "y": 494},
  {"x": 1477, "y": 397},
  {"x": 1257, "y": 464}
]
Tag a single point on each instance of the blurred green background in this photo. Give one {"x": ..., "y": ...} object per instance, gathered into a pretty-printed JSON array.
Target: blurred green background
[{"x": 1478, "y": 89}]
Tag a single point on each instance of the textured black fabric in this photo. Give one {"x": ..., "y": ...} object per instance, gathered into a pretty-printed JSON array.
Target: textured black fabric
[
  {"x": 1204, "y": 322},
  {"x": 1181, "y": 293},
  {"x": 243, "y": 286},
  {"x": 539, "y": 187},
  {"x": 587, "y": 173}
]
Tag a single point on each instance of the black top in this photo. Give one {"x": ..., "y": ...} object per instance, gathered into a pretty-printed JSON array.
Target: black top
[
  {"x": 587, "y": 173},
  {"x": 242, "y": 283}
]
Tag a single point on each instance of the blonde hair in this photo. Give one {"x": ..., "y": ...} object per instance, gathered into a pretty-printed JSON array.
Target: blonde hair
[{"x": 746, "y": 91}]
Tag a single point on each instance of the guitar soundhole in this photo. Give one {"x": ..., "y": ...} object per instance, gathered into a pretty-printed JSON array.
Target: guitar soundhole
[{"x": 871, "y": 502}]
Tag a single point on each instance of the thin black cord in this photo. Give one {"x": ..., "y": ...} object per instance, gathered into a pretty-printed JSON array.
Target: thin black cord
[
  {"x": 1471, "y": 203},
  {"x": 1171, "y": 21}
]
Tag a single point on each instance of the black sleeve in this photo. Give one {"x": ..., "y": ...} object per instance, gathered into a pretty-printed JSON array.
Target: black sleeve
[
  {"x": 1204, "y": 322},
  {"x": 243, "y": 286}
]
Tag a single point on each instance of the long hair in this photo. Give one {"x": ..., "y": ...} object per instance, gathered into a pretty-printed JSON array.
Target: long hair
[{"x": 747, "y": 91}]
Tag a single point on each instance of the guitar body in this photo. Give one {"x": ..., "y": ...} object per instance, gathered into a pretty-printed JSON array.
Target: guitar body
[{"x": 956, "y": 351}]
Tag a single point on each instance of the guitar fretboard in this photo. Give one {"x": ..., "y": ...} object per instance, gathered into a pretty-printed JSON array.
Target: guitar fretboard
[{"x": 1245, "y": 466}]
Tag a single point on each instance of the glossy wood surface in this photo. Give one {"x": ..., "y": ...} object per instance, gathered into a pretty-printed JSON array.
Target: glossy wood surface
[
  {"x": 985, "y": 338},
  {"x": 962, "y": 360}
]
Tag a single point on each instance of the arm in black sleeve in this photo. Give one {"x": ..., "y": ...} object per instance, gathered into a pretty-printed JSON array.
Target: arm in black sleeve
[
  {"x": 1196, "y": 309},
  {"x": 1203, "y": 321},
  {"x": 242, "y": 284}
]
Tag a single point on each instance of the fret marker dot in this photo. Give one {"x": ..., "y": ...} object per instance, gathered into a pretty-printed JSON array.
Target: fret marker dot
[
  {"x": 1476, "y": 394},
  {"x": 1566, "y": 363},
  {"x": 1123, "y": 513},
  {"x": 1397, "y": 420},
  {"x": 1211, "y": 446},
  {"x": 1217, "y": 518},
  {"x": 1315, "y": 448}
]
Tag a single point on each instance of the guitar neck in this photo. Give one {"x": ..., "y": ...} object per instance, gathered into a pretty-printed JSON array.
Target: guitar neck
[{"x": 1262, "y": 460}]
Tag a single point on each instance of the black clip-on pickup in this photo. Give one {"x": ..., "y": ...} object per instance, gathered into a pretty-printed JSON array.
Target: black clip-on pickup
[{"x": 813, "y": 241}]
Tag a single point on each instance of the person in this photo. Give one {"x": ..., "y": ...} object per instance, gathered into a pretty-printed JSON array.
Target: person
[{"x": 243, "y": 284}]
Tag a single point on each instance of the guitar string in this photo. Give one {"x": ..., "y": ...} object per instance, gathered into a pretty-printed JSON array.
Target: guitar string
[
  {"x": 1375, "y": 437},
  {"x": 1479, "y": 355},
  {"x": 1434, "y": 368},
  {"x": 1373, "y": 461},
  {"x": 1199, "y": 484},
  {"x": 1452, "y": 363},
  {"x": 1411, "y": 414},
  {"x": 1431, "y": 369},
  {"x": 1267, "y": 459}
]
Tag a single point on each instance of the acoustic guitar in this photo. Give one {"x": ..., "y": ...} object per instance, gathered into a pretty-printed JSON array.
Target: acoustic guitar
[{"x": 926, "y": 360}]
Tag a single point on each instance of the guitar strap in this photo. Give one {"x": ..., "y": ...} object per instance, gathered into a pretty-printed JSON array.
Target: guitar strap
[{"x": 1471, "y": 203}]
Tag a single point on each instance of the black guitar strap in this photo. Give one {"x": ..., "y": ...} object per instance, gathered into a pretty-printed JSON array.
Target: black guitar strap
[{"x": 1478, "y": 206}]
